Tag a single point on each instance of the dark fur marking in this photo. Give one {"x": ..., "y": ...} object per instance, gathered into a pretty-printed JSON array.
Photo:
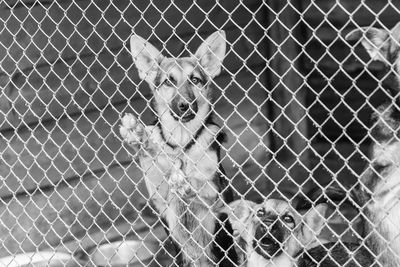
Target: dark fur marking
[
  {"x": 157, "y": 80},
  {"x": 196, "y": 136},
  {"x": 158, "y": 124},
  {"x": 203, "y": 76},
  {"x": 242, "y": 243},
  {"x": 178, "y": 258},
  {"x": 194, "y": 139},
  {"x": 153, "y": 107},
  {"x": 223, "y": 242}
]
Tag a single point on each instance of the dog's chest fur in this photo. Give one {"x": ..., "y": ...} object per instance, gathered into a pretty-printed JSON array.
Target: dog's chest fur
[
  {"x": 256, "y": 260},
  {"x": 190, "y": 218},
  {"x": 199, "y": 158},
  {"x": 382, "y": 196}
]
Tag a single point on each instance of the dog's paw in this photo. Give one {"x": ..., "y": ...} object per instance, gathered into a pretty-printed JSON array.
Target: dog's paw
[
  {"x": 178, "y": 182},
  {"x": 132, "y": 130}
]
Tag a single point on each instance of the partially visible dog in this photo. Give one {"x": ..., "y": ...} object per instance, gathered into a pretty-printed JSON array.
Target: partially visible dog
[
  {"x": 273, "y": 233},
  {"x": 379, "y": 191},
  {"x": 180, "y": 153}
]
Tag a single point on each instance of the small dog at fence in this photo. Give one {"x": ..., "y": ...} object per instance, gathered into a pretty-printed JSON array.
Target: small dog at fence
[
  {"x": 273, "y": 233},
  {"x": 379, "y": 188},
  {"x": 180, "y": 153}
]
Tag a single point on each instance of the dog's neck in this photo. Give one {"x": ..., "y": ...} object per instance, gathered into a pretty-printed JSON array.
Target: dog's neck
[
  {"x": 179, "y": 134},
  {"x": 282, "y": 258},
  {"x": 257, "y": 260}
]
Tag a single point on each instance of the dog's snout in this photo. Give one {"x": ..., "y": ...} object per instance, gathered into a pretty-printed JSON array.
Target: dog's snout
[
  {"x": 184, "y": 109},
  {"x": 183, "y": 106}
]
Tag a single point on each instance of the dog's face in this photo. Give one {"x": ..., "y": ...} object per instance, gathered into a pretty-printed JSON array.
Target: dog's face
[
  {"x": 273, "y": 230},
  {"x": 181, "y": 87},
  {"x": 381, "y": 44}
]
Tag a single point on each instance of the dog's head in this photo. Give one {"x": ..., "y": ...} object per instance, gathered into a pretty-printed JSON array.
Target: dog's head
[
  {"x": 274, "y": 231},
  {"x": 381, "y": 44},
  {"x": 181, "y": 86}
]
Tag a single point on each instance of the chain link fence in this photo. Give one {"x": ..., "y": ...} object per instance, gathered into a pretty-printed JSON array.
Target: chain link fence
[{"x": 294, "y": 97}]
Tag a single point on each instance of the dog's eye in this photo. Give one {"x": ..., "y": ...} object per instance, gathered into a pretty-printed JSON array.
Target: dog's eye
[
  {"x": 260, "y": 213},
  {"x": 195, "y": 80},
  {"x": 170, "y": 81},
  {"x": 288, "y": 219}
]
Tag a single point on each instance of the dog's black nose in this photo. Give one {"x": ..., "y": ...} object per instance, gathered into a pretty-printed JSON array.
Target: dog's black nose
[{"x": 183, "y": 107}]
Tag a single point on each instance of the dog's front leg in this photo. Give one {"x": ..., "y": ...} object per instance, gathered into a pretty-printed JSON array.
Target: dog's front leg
[
  {"x": 178, "y": 182},
  {"x": 136, "y": 135}
]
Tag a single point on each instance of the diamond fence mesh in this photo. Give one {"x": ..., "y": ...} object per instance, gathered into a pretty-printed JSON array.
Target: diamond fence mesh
[{"x": 295, "y": 99}]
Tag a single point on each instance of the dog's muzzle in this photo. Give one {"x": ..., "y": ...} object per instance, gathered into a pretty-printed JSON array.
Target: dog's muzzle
[
  {"x": 268, "y": 239},
  {"x": 183, "y": 110}
]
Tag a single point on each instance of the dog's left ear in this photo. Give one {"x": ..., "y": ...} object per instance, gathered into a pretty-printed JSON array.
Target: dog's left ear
[
  {"x": 315, "y": 218},
  {"x": 146, "y": 58},
  {"x": 211, "y": 53},
  {"x": 379, "y": 43},
  {"x": 313, "y": 222},
  {"x": 238, "y": 212}
]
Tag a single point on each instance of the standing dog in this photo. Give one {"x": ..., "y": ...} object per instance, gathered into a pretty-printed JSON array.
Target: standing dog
[
  {"x": 180, "y": 153},
  {"x": 273, "y": 233},
  {"x": 380, "y": 183}
]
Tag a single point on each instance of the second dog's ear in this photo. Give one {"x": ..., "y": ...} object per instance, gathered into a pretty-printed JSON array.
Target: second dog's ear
[
  {"x": 379, "y": 43},
  {"x": 211, "y": 53},
  {"x": 315, "y": 218},
  {"x": 238, "y": 212},
  {"x": 146, "y": 58},
  {"x": 374, "y": 40}
]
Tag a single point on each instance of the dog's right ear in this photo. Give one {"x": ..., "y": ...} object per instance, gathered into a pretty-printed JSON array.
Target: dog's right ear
[
  {"x": 211, "y": 53},
  {"x": 379, "y": 43},
  {"x": 146, "y": 58},
  {"x": 315, "y": 218},
  {"x": 238, "y": 212}
]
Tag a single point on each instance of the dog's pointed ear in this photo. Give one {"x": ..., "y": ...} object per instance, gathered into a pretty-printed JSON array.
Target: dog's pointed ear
[
  {"x": 238, "y": 212},
  {"x": 211, "y": 53},
  {"x": 315, "y": 218},
  {"x": 146, "y": 58},
  {"x": 375, "y": 41}
]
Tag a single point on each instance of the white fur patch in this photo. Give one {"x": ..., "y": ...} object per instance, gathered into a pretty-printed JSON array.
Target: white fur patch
[{"x": 256, "y": 260}]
